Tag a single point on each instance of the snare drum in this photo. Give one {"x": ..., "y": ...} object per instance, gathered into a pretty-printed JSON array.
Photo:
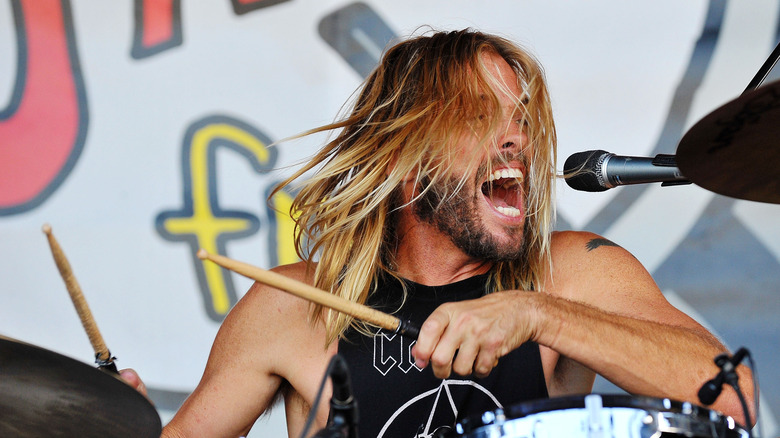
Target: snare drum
[{"x": 601, "y": 416}]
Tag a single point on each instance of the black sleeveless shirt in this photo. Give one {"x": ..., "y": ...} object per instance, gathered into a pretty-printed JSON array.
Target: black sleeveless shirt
[{"x": 398, "y": 400}]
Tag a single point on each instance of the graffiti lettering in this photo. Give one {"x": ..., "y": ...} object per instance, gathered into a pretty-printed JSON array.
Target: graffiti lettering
[
  {"x": 158, "y": 27},
  {"x": 201, "y": 222},
  {"x": 244, "y": 6},
  {"x": 44, "y": 127},
  {"x": 282, "y": 234}
]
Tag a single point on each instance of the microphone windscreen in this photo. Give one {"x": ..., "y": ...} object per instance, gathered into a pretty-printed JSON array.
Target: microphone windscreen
[
  {"x": 582, "y": 171},
  {"x": 709, "y": 392},
  {"x": 342, "y": 385}
]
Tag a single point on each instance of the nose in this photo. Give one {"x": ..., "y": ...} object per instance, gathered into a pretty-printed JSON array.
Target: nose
[{"x": 515, "y": 137}]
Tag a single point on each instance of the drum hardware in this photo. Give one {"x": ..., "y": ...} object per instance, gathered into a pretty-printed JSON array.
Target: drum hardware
[
  {"x": 763, "y": 72},
  {"x": 601, "y": 416},
  {"x": 734, "y": 150},
  {"x": 596, "y": 428},
  {"x": 43, "y": 393}
]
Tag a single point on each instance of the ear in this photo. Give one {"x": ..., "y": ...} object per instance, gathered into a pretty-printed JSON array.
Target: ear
[{"x": 391, "y": 166}]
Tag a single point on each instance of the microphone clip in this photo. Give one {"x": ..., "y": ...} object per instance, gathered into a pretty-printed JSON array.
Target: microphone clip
[
  {"x": 710, "y": 391},
  {"x": 724, "y": 362},
  {"x": 343, "y": 421}
]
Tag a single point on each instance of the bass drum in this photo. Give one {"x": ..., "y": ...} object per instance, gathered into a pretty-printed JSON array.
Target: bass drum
[{"x": 601, "y": 416}]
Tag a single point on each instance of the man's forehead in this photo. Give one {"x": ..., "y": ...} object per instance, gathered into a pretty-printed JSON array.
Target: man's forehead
[
  {"x": 511, "y": 103},
  {"x": 505, "y": 81}
]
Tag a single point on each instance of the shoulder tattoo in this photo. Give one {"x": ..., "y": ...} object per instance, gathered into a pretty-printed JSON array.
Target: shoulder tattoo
[{"x": 595, "y": 243}]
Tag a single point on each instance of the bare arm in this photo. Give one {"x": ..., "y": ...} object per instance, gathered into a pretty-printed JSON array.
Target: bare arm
[
  {"x": 606, "y": 313},
  {"x": 601, "y": 312},
  {"x": 246, "y": 367}
]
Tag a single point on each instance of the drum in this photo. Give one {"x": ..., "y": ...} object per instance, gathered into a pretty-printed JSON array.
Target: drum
[{"x": 601, "y": 416}]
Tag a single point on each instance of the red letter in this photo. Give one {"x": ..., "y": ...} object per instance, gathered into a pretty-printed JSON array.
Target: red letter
[{"x": 43, "y": 129}]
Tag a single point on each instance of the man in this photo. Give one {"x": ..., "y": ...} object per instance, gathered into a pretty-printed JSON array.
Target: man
[{"x": 438, "y": 189}]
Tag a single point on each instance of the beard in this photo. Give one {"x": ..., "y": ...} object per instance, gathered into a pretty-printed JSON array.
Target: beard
[{"x": 456, "y": 214}]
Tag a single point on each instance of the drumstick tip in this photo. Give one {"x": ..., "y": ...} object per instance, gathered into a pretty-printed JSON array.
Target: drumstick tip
[
  {"x": 46, "y": 229},
  {"x": 202, "y": 254}
]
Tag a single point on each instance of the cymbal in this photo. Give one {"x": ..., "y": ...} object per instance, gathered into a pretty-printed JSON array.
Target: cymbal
[
  {"x": 43, "y": 393},
  {"x": 735, "y": 150}
]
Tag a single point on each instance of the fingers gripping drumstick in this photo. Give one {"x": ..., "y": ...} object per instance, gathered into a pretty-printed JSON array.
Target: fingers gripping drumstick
[
  {"x": 318, "y": 296},
  {"x": 102, "y": 355}
]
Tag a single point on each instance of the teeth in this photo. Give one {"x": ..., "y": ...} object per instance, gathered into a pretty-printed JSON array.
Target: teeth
[
  {"x": 509, "y": 211},
  {"x": 506, "y": 173}
]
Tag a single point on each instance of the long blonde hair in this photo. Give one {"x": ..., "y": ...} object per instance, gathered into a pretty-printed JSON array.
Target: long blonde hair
[{"x": 425, "y": 92}]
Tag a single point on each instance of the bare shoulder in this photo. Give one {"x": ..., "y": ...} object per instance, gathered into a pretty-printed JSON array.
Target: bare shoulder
[
  {"x": 579, "y": 242},
  {"x": 581, "y": 255},
  {"x": 269, "y": 334},
  {"x": 595, "y": 270},
  {"x": 270, "y": 315},
  {"x": 262, "y": 298}
]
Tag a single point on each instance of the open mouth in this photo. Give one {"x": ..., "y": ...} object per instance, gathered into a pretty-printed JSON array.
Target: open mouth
[{"x": 504, "y": 190}]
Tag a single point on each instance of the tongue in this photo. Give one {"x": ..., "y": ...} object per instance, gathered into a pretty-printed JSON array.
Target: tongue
[{"x": 502, "y": 196}]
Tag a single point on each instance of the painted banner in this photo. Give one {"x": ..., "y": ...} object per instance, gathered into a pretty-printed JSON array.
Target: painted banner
[{"x": 142, "y": 130}]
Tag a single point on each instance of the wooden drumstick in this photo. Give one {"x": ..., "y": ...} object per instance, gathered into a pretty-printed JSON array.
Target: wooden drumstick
[
  {"x": 315, "y": 295},
  {"x": 102, "y": 354}
]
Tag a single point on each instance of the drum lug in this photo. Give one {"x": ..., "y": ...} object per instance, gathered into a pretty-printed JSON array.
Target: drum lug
[{"x": 596, "y": 426}]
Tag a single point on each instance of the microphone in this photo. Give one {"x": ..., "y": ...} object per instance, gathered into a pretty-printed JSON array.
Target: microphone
[
  {"x": 710, "y": 391},
  {"x": 343, "y": 420},
  {"x": 596, "y": 171}
]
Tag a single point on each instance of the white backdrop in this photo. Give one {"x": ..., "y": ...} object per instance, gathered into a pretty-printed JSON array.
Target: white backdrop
[{"x": 227, "y": 78}]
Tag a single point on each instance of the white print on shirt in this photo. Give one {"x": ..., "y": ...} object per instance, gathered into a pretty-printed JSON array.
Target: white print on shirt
[
  {"x": 447, "y": 387},
  {"x": 393, "y": 349}
]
